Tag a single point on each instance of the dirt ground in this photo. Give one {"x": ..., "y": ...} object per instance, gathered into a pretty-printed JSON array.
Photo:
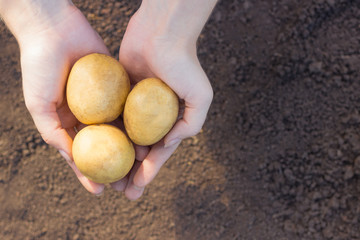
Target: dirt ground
[{"x": 278, "y": 158}]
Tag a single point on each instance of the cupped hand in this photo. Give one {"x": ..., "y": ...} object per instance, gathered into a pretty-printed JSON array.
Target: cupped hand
[
  {"x": 47, "y": 55},
  {"x": 146, "y": 52}
]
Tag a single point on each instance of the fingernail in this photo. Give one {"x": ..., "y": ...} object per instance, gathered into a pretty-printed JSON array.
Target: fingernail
[
  {"x": 99, "y": 194},
  {"x": 65, "y": 155},
  {"x": 172, "y": 142},
  {"x": 135, "y": 192},
  {"x": 137, "y": 188}
]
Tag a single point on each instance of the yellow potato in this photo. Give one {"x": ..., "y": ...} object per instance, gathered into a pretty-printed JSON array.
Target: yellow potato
[
  {"x": 97, "y": 88},
  {"x": 151, "y": 110},
  {"x": 103, "y": 153}
]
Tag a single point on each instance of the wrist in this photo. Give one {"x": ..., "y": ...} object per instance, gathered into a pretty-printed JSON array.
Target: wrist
[
  {"x": 177, "y": 20},
  {"x": 29, "y": 17}
]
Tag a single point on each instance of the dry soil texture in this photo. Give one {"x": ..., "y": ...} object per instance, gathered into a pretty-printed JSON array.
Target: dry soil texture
[{"x": 278, "y": 158}]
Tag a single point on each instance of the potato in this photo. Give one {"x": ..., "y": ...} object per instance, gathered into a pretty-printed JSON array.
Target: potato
[
  {"x": 151, "y": 110},
  {"x": 97, "y": 88},
  {"x": 103, "y": 153}
]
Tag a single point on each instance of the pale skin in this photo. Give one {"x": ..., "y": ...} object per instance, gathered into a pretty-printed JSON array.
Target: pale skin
[{"x": 160, "y": 41}]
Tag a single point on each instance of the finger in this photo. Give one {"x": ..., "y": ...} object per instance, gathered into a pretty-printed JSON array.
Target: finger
[
  {"x": 121, "y": 184},
  {"x": 197, "y": 96},
  {"x": 132, "y": 191},
  {"x": 71, "y": 132},
  {"x": 189, "y": 125},
  {"x": 151, "y": 165},
  {"x": 141, "y": 152},
  {"x": 92, "y": 187},
  {"x": 67, "y": 118},
  {"x": 49, "y": 126},
  {"x": 78, "y": 127}
]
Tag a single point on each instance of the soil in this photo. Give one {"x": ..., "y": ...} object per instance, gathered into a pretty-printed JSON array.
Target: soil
[{"x": 278, "y": 157}]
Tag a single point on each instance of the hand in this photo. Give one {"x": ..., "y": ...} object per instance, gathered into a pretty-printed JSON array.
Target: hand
[
  {"x": 47, "y": 54},
  {"x": 149, "y": 51}
]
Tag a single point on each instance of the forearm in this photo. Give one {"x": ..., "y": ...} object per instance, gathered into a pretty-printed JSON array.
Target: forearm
[
  {"x": 180, "y": 18},
  {"x": 28, "y": 16}
]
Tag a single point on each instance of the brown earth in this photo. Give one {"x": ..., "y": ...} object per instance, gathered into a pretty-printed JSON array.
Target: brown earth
[{"x": 278, "y": 158}]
